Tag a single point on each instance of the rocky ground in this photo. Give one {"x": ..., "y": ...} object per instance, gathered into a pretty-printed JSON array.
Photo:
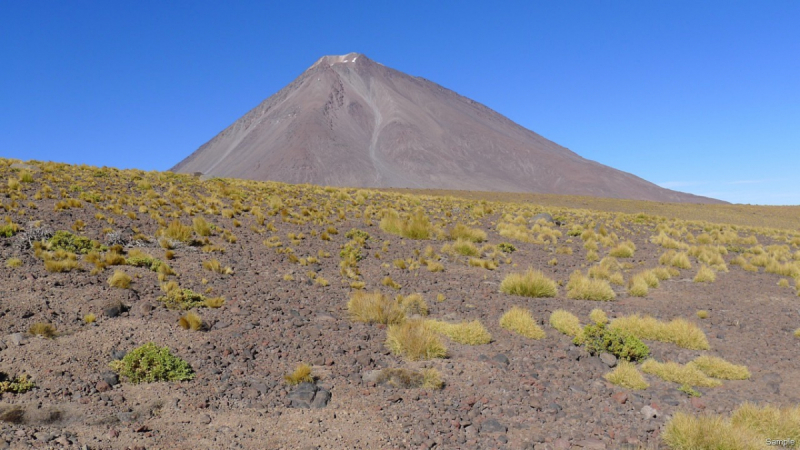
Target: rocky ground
[{"x": 514, "y": 392}]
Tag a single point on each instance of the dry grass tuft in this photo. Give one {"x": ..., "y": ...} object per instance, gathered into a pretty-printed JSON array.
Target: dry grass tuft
[
  {"x": 191, "y": 321},
  {"x": 532, "y": 283},
  {"x": 566, "y": 322},
  {"x": 470, "y": 333},
  {"x": 705, "y": 274},
  {"x": 301, "y": 374},
  {"x": 415, "y": 340},
  {"x": 463, "y": 232},
  {"x": 45, "y": 330},
  {"x": 679, "y": 373},
  {"x": 521, "y": 321},
  {"x": 748, "y": 428},
  {"x": 581, "y": 287},
  {"x": 119, "y": 280},
  {"x": 628, "y": 376},
  {"x": 13, "y": 263},
  {"x": 719, "y": 368},
  {"x": 413, "y": 304},
  {"x": 415, "y": 226},
  {"x": 678, "y": 331},
  {"x": 675, "y": 259},
  {"x": 375, "y": 307},
  {"x": 598, "y": 316}
]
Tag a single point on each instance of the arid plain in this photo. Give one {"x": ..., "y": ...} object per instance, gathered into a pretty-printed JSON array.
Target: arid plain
[{"x": 301, "y": 316}]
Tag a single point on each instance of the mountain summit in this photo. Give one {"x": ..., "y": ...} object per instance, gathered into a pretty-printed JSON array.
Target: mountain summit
[{"x": 349, "y": 121}]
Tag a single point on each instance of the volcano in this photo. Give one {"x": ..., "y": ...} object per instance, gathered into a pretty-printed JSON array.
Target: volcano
[{"x": 350, "y": 121}]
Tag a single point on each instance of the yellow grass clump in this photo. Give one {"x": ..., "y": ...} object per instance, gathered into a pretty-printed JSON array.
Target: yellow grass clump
[
  {"x": 461, "y": 231},
  {"x": 415, "y": 226},
  {"x": 705, "y": 275},
  {"x": 598, "y": 316},
  {"x": 415, "y": 340},
  {"x": 413, "y": 304},
  {"x": 119, "y": 280},
  {"x": 375, "y": 307},
  {"x": 581, "y": 287},
  {"x": 532, "y": 283},
  {"x": 628, "y": 376},
  {"x": 13, "y": 262},
  {"x": 679, "y": 373},
  {"x": 45, "y": 330},
  {"x": 470, "y": 333},
  {"x": 638, "y": 287},
  {"x": 191, "y": 321},
  {"x": 716, "y": 367},
  {"x": 749, "y": 427},
  {"x": 565, "y": 322},
  {"x": 680, "y": 332},
  {"x": 675, "y": 259},
  {"x": 521, "y": 321},
  {"x": 301, "y": 374},
  {"x": 623, "y": 250}
]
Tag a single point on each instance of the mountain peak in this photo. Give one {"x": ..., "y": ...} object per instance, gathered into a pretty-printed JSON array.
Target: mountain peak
[
  {"x": 339, "y": 59},
  {"x": 347, "y": 121}
]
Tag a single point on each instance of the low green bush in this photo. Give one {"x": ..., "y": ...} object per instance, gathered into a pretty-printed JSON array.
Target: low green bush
[
  {"x": 598, "y": 338},
  {"x": 150, "y": 363}
]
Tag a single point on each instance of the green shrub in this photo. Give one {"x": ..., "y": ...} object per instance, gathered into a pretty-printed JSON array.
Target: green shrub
[
  {"x": 351, "y": 252},
  {"x": 15, "y": 385},
  {"x": 598, "y": 338},
  {"x": 183, "y": 299},
  {"x": 150, "y": 363},
  {"x": 64, "y": 240},
  {"x": 358, "y": 235},
  {"x": 505, "y": 247},
  {"x": 145, "y": 261},
  {"x": 8, "y": 230}
]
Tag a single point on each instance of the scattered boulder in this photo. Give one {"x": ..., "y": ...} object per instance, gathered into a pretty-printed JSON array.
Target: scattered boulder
[
  {"x": 608, "y": 359},
  {"x": 309, "y": 395}
]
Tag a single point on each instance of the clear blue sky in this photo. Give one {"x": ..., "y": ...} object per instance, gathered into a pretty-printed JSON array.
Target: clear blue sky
[{"x": 700, "y": 96}]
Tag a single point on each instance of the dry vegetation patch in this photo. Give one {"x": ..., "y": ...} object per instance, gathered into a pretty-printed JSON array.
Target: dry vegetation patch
[
  {"x": 521, "y": 321},
  {"x": 680, "y": 332},
  {"x": 532, "y": 283}
]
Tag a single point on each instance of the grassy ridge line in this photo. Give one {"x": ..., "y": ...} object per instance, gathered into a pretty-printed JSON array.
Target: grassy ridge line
[{"x": 780, "y": 217}]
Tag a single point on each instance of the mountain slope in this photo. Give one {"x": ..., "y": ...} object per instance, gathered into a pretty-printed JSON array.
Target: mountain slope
[{"x": 349, "y": 121}]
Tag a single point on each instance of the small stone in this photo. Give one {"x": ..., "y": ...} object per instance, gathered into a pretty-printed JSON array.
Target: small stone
[
  {"x": 17, "y": 338},
  {"x": 113, "y": 309},
  {"x": 102, "y": 386},
  {"x": 204, "y": 419},
  {"x": 608, "y": 359},
  {"x": 501, "y": 359},
  {"x": 649, "y": 412},
  {"x": 111, "y": 378},
  {"x": 620, "y": 397},
  {"x": 492, "y": 426}
]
